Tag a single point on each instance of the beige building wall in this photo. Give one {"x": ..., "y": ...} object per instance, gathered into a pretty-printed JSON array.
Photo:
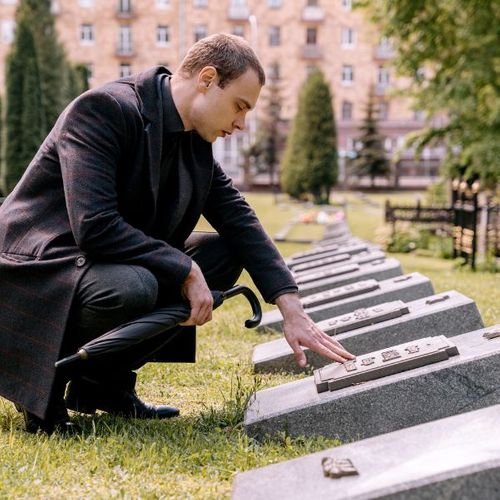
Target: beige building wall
[{"x": 110, "y": 54}]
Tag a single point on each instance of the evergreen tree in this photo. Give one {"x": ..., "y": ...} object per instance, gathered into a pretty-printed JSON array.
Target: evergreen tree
[
  {"x": 39, "y": 83},
  {"x": 310, "y": 161},
  {"x": 371, "y": 159}
]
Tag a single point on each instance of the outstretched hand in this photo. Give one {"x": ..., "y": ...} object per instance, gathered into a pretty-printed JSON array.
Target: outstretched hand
[
  {"x": 196, "y": 291},
  {"x": 301, "y": 331}
]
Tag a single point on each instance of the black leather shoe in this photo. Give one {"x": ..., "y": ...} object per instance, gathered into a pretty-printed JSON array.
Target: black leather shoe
[
  {"x": 87, "y": 396},
  {"x": 60, "y": 424}
]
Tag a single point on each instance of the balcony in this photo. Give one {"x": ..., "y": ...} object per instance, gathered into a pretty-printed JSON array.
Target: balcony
[
  {"x": 313, "y": 14},
  {"x": 238, "y": 13},
  {"x": 312, "y": 52},
  {"x": 125, "y": 51},
  {"x": 125, "y": 13}
]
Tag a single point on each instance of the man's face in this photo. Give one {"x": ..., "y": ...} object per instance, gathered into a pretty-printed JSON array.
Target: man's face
[{"x": 217, "y": 112}]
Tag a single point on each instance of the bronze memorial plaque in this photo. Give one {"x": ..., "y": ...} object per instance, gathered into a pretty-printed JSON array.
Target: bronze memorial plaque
[
  {"x": 331, "y": 273},
  {"x": 388, "y": 361},
  {"x": 341, "y": 292},
  {"x": 338, "y": 467},
  {"x": 364, "y": 317}
]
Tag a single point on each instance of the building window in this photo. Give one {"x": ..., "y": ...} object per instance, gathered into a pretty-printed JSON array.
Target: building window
[
  {"x": 8, "y": 28},
  {"x": 125, "y": 40},
  {"x": 311, "y": 36},
  {"x": 383, "y": 76},
  {"x": 162, "y": 4},
  {"x": 347, "y": 4},
  {"x": 274, "y": 36},
  {"x": 124, "y": 6},
  {"x": 125, "y": 70},
  {"x": 86, "y": 34},
  {"x": 239, "y": 30},
  {"x": 200, "y": 31},
  {"x": 347, "y": 74},
  {"x": 86, "y": 3},
  {"x": 346, "y": 110},
  {"x": 347, "y": 38},
  {"x": 162, "y": 35},
  {"x": 274, "y": 72},
  {"x": 274, "y": 4},
  {"x": 383, "y": 110}
]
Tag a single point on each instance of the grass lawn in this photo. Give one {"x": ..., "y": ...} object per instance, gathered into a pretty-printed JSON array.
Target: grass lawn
[{"x": 198, "y": 454}]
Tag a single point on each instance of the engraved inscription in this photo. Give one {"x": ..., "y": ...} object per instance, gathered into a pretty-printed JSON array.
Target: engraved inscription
[
  {"x": 437, "y": 299},
  {"x": 350, "y": 366},
  {"x": 492, "y": 334},
  {"x": 363, "y": 313},
  {"x": 402, "y": 278},
  {"x": 335, "y": 468},
  {"x": 385, "y": 362},
  {"x": 412, "y": 349},
  {"x": 331, "y": 273},
  {"x": 389, "y": 355},
  {"x": 341, "y": 292},
  {"x": 364, "y": 317},
  {"x": 368, "y": 361}
]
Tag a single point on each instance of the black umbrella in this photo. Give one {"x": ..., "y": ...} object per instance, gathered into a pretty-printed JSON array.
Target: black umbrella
[{"x": 152, "y": 324}]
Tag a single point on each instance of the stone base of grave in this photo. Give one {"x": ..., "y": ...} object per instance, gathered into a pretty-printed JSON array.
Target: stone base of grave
[
  {"x": 464, "y": 382},
  {"x": 379, "y": 270},
  {"x": 455, "y": 457},
  {"x": 406, "y": 288},
  {"x": 449, "y": 313}
]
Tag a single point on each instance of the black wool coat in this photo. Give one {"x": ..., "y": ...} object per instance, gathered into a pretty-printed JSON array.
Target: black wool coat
[{"x": 90, "y": 194}]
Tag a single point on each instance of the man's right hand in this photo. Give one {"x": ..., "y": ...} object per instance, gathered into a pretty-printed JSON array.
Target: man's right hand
[{"x": 196, "y": 291}]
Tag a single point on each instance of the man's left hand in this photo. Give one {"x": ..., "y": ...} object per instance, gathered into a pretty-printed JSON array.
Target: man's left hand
[{"x": 301, "y": 331}]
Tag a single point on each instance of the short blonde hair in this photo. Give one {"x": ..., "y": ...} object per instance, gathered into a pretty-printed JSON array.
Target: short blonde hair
[{"x": 230, "y": 55}]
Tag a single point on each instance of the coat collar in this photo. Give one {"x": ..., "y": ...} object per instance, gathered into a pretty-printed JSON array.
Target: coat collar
[{"x": 145, "y": 87}]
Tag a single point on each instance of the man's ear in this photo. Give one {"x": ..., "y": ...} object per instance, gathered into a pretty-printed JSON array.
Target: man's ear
[{"x": 207, "y": 77}]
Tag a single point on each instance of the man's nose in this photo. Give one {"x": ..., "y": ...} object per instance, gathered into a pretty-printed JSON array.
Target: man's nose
[{"x": 239, "y": 123}]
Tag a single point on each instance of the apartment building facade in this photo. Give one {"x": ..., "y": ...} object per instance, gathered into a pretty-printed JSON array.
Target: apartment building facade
[{"x": 116, "y": 38}]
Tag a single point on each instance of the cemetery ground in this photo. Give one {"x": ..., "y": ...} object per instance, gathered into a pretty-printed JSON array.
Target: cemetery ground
[{"x": 198, "y": 454}]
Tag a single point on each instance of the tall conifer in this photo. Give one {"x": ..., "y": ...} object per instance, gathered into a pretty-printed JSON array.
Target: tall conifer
[
  {"x": 310, "y": 160},
  {"x": 39, "y": 83}
]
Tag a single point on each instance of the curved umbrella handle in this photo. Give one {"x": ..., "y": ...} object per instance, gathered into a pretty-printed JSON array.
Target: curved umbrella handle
[{"x": 251, "y": 297}]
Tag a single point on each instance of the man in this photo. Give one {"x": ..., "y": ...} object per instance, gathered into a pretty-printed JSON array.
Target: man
[{"x": 98, "y": 231}]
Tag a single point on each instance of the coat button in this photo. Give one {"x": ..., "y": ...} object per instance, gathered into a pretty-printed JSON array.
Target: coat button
[{"x": 80, "y": 261}]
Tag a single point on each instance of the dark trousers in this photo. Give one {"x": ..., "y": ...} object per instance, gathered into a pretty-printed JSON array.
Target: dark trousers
[{"x": 112, "y": 294}]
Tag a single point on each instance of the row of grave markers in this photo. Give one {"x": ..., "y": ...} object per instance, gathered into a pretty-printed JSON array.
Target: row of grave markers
[{"x": 419, "y": 408}]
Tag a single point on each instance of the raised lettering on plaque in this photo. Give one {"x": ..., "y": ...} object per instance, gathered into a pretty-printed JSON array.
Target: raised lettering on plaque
[
  {"x": 331, "y": 273},
  {"x": 364, "y": 317},
  {"x": 492, "y": 334},
  {"x": 340, "y": 293},
  {"x": 335, "y": 468},
  {"x": 384, "y": 362}
]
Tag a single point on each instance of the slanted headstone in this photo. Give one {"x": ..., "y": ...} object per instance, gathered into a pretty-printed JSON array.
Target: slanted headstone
[
  {"x": 453, "y": 457},
  {"x": 465, "y": 381},
  {"x": 321, "y": 267},
  {"x": 337, "y": 240},
  {"x": 377, "y": 327},
  {"x": 331, "y": 251},
  {"x": 382, "y": 269},
  {"x": 348, "y": 298},
  {"x": 334, "y": 247}
]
